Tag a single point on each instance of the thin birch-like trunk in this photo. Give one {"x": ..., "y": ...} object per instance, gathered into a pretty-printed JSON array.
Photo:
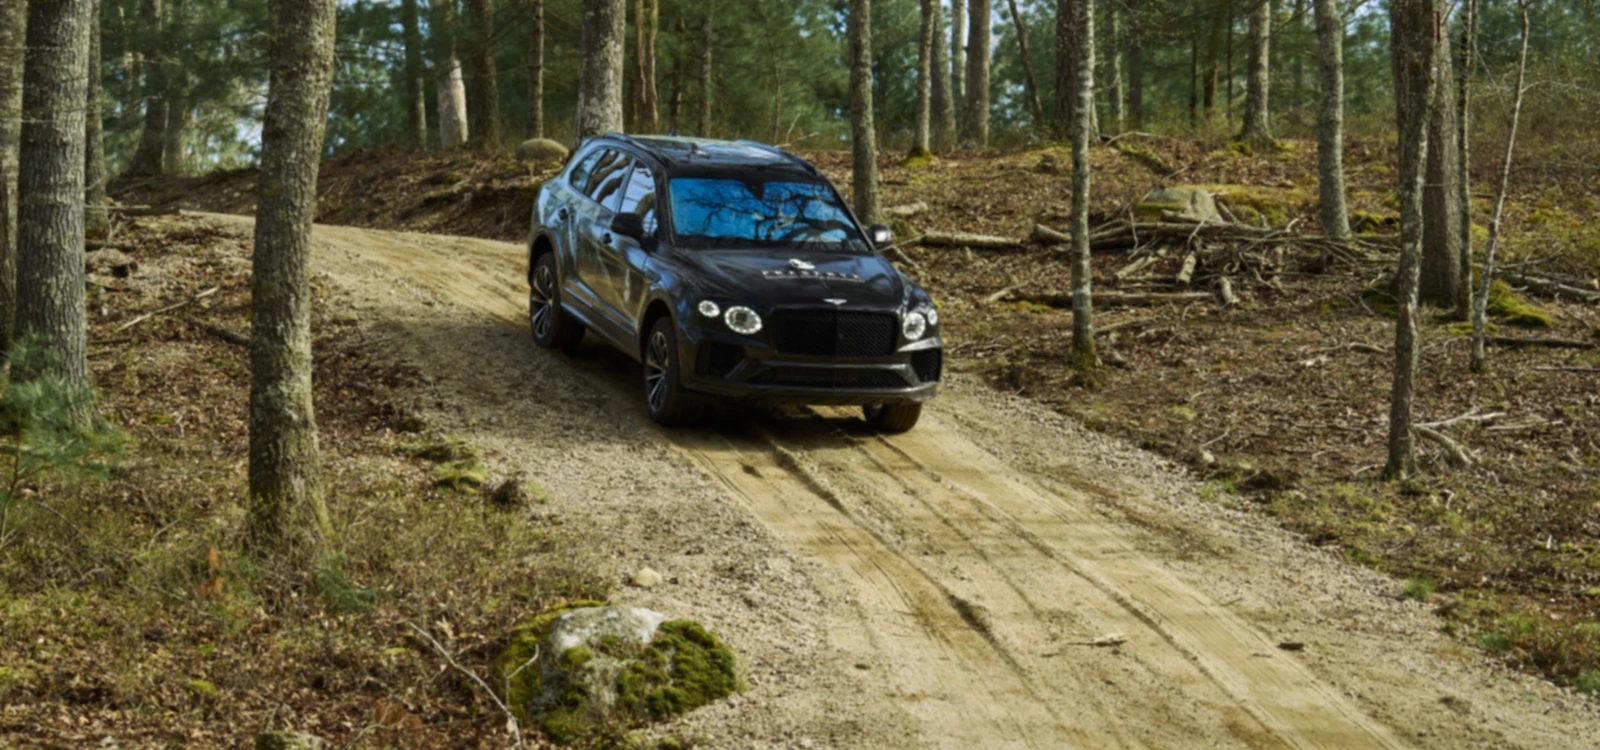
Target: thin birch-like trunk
[
  {"x": 978, "y": 38},
  {"x": 95, "y": 217},
  {"x": 863, "y": 139},
  {"x": 944, "y": 99},
  {"x": 1135, "y": 68},
  {"x": 1034, "y": 107},
  {"x": 1330, "y": 121},
  {"x": 13, "y": 42},
  {"x": 1113, "y": 45},
  {"x": 922, "y": 131},
  {"x": 1083, "y": 356},
  {"x": 1480, "y": 306},
  {"x": 958, "y": 63},
  {"x": 1469, "y": 50}
]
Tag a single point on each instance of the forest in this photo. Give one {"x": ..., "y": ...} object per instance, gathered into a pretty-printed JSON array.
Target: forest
[{"x": 1277, "y": 316}]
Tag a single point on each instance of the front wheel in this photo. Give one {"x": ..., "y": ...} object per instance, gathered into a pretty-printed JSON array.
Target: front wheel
[
  {"x": 892, "y": 417},
  {"x": 668, "y": 402},
  {"x": 552, "y": 327}
]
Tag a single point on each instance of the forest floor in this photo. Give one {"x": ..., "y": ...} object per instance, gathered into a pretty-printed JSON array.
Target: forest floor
[{"x": 1505, "y": 555}]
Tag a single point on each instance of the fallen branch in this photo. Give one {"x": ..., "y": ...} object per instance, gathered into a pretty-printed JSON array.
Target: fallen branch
[
  {"x": 1003, "y": 293},
  {"x": 1186, "y": 271},
  {"x": 962, "y": 239},
  {"x": 1458, "y": 454},
  {"x": 1471, "y": 416},
  {"x": 511, "y": 718},
  {"x": 92, "y": 245},
  {"x": 1568, "y": 369},
  {"x": 1225, "y": 292},
  {"x": 908, "y": 210},
  {"x": 1545, "y": 342},
  {"x": 228, "y": 335},
  {"x": 167, "y": 309},
  {"x": 1046, "y": 236},
  {"x": 1063, "y": 300},
  {"x": 145, "y": 210}
]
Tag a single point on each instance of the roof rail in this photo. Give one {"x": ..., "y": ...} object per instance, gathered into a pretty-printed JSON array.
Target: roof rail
[{"x": 807, "y": 166}]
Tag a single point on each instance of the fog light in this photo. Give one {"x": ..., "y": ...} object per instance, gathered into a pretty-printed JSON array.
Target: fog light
[
  {"x": 743, "y": 320},
  {"x": 710, "y": 309},
  {"x": 914, "y": 326}
]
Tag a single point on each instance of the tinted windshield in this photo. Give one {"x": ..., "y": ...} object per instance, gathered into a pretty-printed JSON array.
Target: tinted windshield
[{"x": 710, "y": 212}]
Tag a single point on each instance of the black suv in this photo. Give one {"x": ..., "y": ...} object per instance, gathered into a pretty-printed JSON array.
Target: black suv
[{"x": 730, "y": 270}]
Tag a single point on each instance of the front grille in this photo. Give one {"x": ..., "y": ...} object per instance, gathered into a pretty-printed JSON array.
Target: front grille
[
  {"x": 834, "y": 333},
  {"x": 717, "y": 359},
  {"x": 815, "y": 377},
  {"x": 928, "y": 364}
]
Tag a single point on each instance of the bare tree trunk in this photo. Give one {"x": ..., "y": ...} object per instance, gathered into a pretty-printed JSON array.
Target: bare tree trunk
[
  {"x": 286, "y": 506},
  {"x": 1297, "y": 84},
  {"x": 1068, "y": 50},
  {"x": 1330, "y": 121},
  {"x": 1194, "y": 75},
  {"x": 922, "y": 132},
  {"x": 415, "y": 100},
  {"x": 1480, "y": 305},
  {"x": 706, "y": 40},
  {"x": 943, "y": 95},
  {"x": 978, "y": 37},
  {"x": 1257, "y": 127},
  {"x": 450, "y": 86},
  {"x": 1027, "y": 68},
  {"x": 1228, "y": 9},
  {"x": 635, "y": 84},
  {"x": 50, "y": 300},
  {"x": 13, "y": 43},
  {"x": 1113, "y": 45},
  {"x": 1213, "y": 63},
  {"x": 600, "y": 69},
  {"x": 1442, "y": 252},
  {"x": 174, "y": 153},
  {"x": 863, "y": 139},
  {"x": 1415, "y": 30},
  {"x": 146, "y": 160},
  {"x": 95, "y": 219},
  {"x": 483, "y": 85},
  {"x": 1469, "y": 49},
  {"x": 958, "y": 63},
  {"x": 1083, "y": 356},
  {"x": 1135, "y": 68},
  {"x": 650, "y": 115},
  {"x": 535, "y": 68}
]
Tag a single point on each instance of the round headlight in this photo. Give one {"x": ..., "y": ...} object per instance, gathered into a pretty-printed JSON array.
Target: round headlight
[
  {"x": 914, "y": 326},
  {"x": 710, "y": 309},
  {"x": 933, "y": 315},
  {"x": 743, "y": 320}
]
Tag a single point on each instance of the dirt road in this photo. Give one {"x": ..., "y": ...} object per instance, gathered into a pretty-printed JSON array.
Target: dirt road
[{"x": 997, "y": 578}]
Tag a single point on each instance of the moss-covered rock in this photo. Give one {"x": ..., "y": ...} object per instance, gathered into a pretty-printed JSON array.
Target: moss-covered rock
[
  {"x": 1144, "y": 157},
  {"x": 919, "y": 158},
  {"x": 1506, "y": 307},
  {"x": 584, "y": 671},
  {"x": 1188, "y": 202},
  {"x": 538, "y": 151},
  {"x": 289, "y": 741},
  {"x": 460, "y": 475}
]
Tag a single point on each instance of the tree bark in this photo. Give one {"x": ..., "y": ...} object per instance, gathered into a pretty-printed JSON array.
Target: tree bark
[
  {"x": 483, "y": 85},
  {"x": 1257, "y": 127},
  {"x": 706, "y": 40},
  {"x": 943, "y": 95},
  {"x": 13, "y": 43},
  {"x": 1036, "y": 109},
  {"x": 95, "y": 219},
  {"x": 600, "y": 69},
  {"x": 286, "y": 505},
  {"x": 1297, "y": 83},
  {"x": 1415, "y": 30},
  {"x": 450, "y": 85},
  {"x": 147, "y": 157},
  {"x": 978, "y": 38},
  {"x": 1443, "y": 284},
  {"x": 1330, "y": 121},
  {"x": 958, "y": 63},
  {"x": 647, "y": 16},
  {"x": 922, "y": 130},
  {"x": 50, "y": 299},
  {"x": 1068, "y": 45},
  {"x": 1480, "y": 304},
  {"x": 1469, "y": 49},
  {"x": 1083, "y": 352},
  {"x": 863, "y": 139},
  {"x": 174, "y": 152},
  {"x": 415, "y": 100},
  {"x": 1113, "y": 45},
  {"x": 535, "y": 68},
  {"x": 1135, "y": 68}
]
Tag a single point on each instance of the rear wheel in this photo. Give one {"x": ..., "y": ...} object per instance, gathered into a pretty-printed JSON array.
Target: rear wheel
[
  {"x": 892, "y": 417},
  {"x": 664, "y": 395},
  {"x": 552, "y": 327}
]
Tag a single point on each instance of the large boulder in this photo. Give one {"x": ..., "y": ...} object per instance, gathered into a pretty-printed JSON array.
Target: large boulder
[
  {"x": 541, "y": 151},
  {"x": 1190, "y": 203},
  {"x": 577, "y": 670}
]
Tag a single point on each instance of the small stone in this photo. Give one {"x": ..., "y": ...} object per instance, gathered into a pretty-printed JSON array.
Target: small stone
[
  {"x": 646, "y": 578},
  {"x": 511, "y": 493},
  {"x": 289, "y": 741}
]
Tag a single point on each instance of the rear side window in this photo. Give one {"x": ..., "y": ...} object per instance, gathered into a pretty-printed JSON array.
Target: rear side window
[
  {"x": 640, "y": 197},
  {"x": 610, "y": 160},
  {"x": 579, "y": 178},
  {"x": 607, "y": 181}
]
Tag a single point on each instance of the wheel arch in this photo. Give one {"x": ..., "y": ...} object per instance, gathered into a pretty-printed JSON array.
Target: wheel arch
[
  {"x": 540, "y": 246},
  {"x": 656, "y": 310}
]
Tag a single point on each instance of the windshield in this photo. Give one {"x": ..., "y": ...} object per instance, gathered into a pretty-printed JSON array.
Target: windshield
[{"x": 710, "y": 212}]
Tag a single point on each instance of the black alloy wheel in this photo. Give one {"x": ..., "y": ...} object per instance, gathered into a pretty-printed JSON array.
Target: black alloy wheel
[{"x": 552, "y": 327}]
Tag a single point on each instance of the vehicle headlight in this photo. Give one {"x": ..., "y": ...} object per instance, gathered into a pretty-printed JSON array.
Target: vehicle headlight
[
  {"x": 709, "y": 309},
  {"x": 932, "y": 313},
  {"x": 742, "y": 320},
  {"x": 913, "y": 326}
]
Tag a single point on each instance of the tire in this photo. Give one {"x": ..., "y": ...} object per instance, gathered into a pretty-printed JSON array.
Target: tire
[
  {"x": 892, "y": 418},
  {"x": 665, "y": 398},
  {"x": 552, "y": 327}
]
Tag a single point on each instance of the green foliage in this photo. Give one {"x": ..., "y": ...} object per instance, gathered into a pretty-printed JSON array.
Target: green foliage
[
  {"x": 1420, "y": 589},
  {"x": 684, "y": 668},
  {"x": 330, "y": 578},
  {"x": 1508, "y": 308}
]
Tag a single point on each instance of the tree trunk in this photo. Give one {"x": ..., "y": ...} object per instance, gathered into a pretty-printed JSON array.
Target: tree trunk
[
  {"x": 50, "y": 299},
  {"x": 978, "y": 36},
  {"x": 450, "y": 86},
  {"x": 706, "y": 40},
  {"x": 1227, "y": 8},
  {"x": 146, "y": 160},
  {"x": 1297, "y": 84},
  {"x": 1027, "y": 69},
  {"x": 1113, "y": 45},
  {"x": 922, "y": 131},
  {"x": 1415, "y": 30},
  {"x": 1257, "y": 128},
  {"x": 1083, "y": 354},
  {"x": 1469, "y": 49},
  {"x": 483, "y": 86},
  {"x": 1135, "y": 68},
  {"x": 943, "y": 96},
  {"x": 1068, "y": 40},
  {"x": 1212, "y": 72},
  {"x": 1330, "y": 121},
  {"x": 415, "y": 100},
  {"x": 600, "y": 69},
  {"x": 635, "y": 84},
  {"x": 1194, "y": 74},
  {"x": 95, "y": 219},
  {"x": 1442, "y": 252},
  {"x": 649, "y": 107},
  {"x": 1480, "y": 305},
  {"x": 13, "y": 43},
  {"x": 286, "y": 506},
  {"x": 863, "y": 139},
  {"x": 174, "y": 153},
  {"x": 958, "y": 63},
  {"x": 535, "y": 68}
]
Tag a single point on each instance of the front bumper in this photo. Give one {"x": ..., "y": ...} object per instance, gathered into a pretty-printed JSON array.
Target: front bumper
[{"x": 722, "y": 364}]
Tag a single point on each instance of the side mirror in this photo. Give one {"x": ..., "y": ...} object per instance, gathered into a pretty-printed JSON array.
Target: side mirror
[
  {"x": 630, "y": 226},
  {"x": 880, "y": 235}
]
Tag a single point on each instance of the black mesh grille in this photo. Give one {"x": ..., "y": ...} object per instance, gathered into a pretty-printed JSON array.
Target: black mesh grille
[
  {"x": 810, "y": 377},
  {"x": 832, "y": 333},
  {"x": 928, "y": 364},
  {"x": 716, "y": 360}
]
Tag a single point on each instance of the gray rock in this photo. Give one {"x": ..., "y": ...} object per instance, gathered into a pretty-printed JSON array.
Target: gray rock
[
  {"x": 646, "y": 578},
  {"x": 541, "y": 151},
  {"x": 1186, "y": 202},
  {"x": 289, "y": 741}
]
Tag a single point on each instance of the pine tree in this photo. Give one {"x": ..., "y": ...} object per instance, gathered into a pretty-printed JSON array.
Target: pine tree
[
  {"x": 147, "y": 159},
  {"x": 1330, "y": 121},
  {"x": 416, "y": 103},
  {"x": 863, "y": 139},
  {"x": 1257, "y": 125},
  {"x": 1083, "y": 357},
  {"x": 976, "y": 122},
  {"x": 13, "y": 30},
  {"x": 600, "y": 69}
]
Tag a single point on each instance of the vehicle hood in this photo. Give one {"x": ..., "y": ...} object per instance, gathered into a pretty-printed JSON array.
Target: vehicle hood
[{"x": 775, "y": 278}]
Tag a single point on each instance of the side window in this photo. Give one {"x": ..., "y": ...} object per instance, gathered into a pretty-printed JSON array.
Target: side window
[
  {"x": 579, "y": 177},
  {"x": 606, "y": 184},
  {"x": 640, "y": 197},
  {"x": 609, "y": 161}
]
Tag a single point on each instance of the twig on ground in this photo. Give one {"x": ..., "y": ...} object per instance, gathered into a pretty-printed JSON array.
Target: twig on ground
[
  {"x": 511, "y": 718},
  {"x": 1003, "y": 293},
  {"x": 1458, "y": 454},
  {"x": 167, "y": 309},
  {"x": 230, "y": 336}
]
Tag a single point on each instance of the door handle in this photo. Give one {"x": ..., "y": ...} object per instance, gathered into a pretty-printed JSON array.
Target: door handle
[
  {"x": 606, "y": 239},
  {"x": 562, "y": 214}
]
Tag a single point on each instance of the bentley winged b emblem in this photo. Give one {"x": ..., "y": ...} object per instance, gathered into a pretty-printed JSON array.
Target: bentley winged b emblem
[
  {"x": 800, "y": 265},
  {"x": 835, "y": 302}
]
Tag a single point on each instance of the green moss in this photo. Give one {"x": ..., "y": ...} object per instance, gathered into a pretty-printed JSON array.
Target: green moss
[
  {"x": 684, "y": 668},
  {"x": 1144, "y": 157},
  {"x": 459, "y": 475},
  {"x": 919, "y": 158},
  {"x": 202, "y": 689},
  {"x": 1241, "y": 148},
  {"x": 902, "y": 229},
  {"x": 1153, "y": 211},
  {"x": 1367, "y": 222},
  {"x": 1275, "y": 206},
  {"x": 512, "y": 668},
  {"x": 450, "y": 448},
  {"x": 1508, "y": 308},
  {"x": 1420, "y": 589},
  {"x": 575, "y": 658},
  {"x": 1182, "y": 413}
]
